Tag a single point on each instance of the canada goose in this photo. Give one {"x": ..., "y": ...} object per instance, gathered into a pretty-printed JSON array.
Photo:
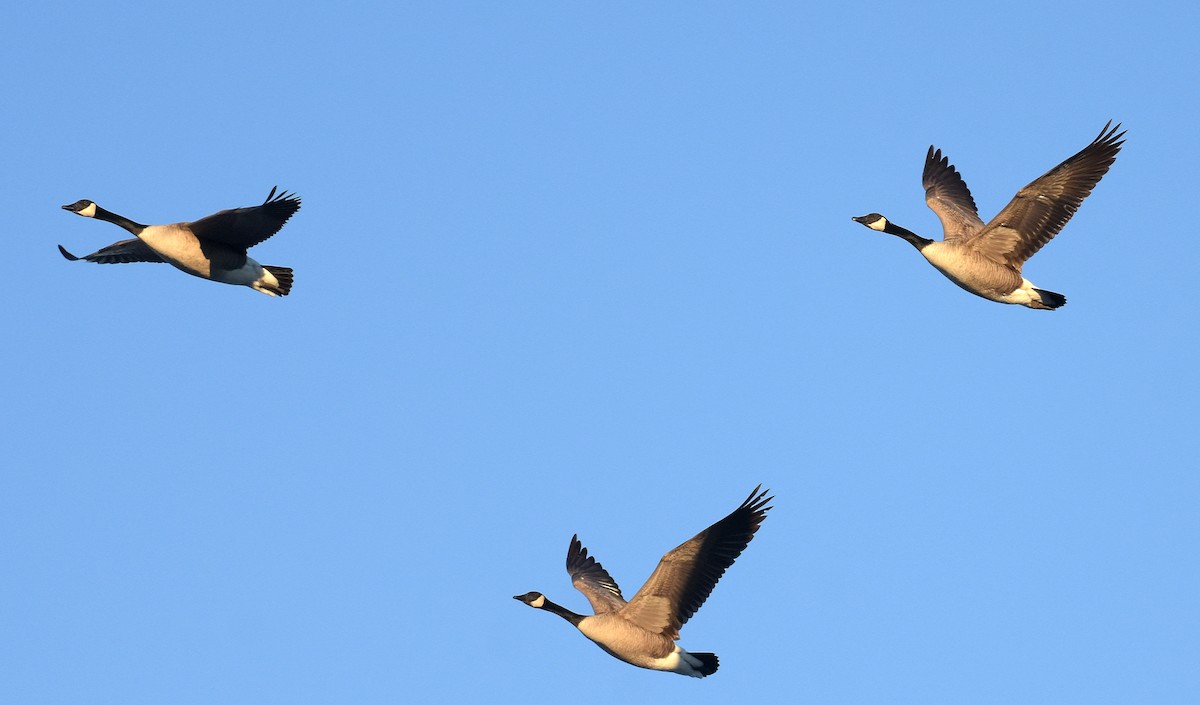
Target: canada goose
[
  {"x": 213, "y": 247},
  {"x": 986, "y": 259},
  {"x": 643, "y": 631}
]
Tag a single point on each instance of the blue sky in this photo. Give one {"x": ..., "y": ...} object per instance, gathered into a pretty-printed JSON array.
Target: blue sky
[{"x": 590, "y": 268}]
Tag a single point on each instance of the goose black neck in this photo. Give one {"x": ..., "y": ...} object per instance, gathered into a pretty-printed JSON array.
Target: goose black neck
[
  {"x": 913, "y": 239},
  {"x": 563, "y": 612},
  {"x": 135, "y": 228}
]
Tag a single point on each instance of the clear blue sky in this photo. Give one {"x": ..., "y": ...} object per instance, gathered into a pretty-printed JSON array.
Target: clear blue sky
[{"x": 589, "y": 267}]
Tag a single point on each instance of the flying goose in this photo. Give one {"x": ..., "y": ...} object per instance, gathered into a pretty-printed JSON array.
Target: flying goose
[
  {"x": 986, "y": 259},
  {"x": 643, "y": 631},
  {"x": 213, "y": 247}
]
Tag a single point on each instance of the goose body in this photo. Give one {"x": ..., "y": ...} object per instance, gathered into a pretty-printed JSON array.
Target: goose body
[
  {"x": 643, "y": 630},
  {"x": 986, "y": 259},
  {"x": 213, "y": 248}
]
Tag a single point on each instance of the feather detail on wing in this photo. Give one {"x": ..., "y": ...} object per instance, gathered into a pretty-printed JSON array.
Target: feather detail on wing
[
  {"x": 121, "y": 252},
  {"x": 246, "y": 227},
  {"x": 686, "y": 576},
  {"x": 947, "y": 195},
  {"x": 590, "y": 578},
  {"x": 1040, "y": 210}
]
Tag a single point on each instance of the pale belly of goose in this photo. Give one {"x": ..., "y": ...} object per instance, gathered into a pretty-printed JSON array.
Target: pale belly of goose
[
  {"x": 637, "y": 646},
  {"x": 974, "y": 273},
  {"x": 207, "y": 260}
]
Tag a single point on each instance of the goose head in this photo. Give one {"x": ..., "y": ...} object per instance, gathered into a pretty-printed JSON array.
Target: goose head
[
  {"x": 533, "y": 599},
  {"x": 873, "y": 221},
  {"x": 82, "y": 207}
]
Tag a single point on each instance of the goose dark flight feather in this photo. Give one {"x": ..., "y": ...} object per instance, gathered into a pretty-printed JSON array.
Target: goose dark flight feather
[{"x": 121, "y": 252}]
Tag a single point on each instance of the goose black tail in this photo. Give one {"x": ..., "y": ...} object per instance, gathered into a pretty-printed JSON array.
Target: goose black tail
[
  {"x": 284, "y": 275},
  {"x": 1050, "y": 300},
  {"x": 708, "y": 663}
]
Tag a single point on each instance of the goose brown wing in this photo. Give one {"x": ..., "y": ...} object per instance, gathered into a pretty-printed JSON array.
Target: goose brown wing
[
  {"x": 590, "y": 578},
  {"x": 1040, "y": 210},
  {"x": 246, "y": 227},
  {"x": 947, "y": 195},
  {"x": 685, "y": 576},
  {"x": 121, "y": 252}
]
